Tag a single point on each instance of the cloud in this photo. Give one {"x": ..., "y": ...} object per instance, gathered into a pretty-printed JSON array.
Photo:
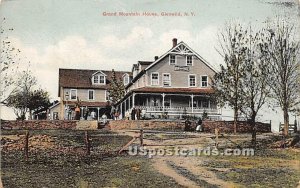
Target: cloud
[{"x": 137, "y": 36}]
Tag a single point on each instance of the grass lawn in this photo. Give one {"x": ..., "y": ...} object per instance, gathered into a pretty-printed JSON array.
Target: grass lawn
[{"x": 50, "y": 167}]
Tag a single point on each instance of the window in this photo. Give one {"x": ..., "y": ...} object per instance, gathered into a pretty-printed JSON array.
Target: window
[
  {"x": 172, "y": 59},
  {"x": 155, "y": 102},
  {"x": 189, "y": 60},
  {"x": 91, "y": 94},
  {"x": 154, "y": 79},
  {"x": 192, "y": 80},
  {"x": 166, "y": 79},
  {"x": 205, "y": 104},
  {"x": 101, "y": 79},
  {"x": 73, "y": 93},
  {"x": 126, "y": 79},
  {"x": 107, "y": 96},
  {"x": 168, "y": 102},
  {"x": 98, "y": 79},
  {"x": 204, "y": 81}
]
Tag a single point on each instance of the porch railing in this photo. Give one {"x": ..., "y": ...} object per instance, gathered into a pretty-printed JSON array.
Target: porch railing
[{"x": 154, "y": 109}]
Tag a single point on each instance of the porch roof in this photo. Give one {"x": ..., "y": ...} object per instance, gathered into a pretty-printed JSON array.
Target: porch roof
[
  {"x": 174, "y": 90},
  {"x": 86, "y": 103}
]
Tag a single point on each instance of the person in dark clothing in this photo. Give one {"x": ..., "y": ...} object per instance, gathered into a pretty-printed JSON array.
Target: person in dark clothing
[
  {"x": 187, "y": 125},
  {"x": 138, "y": 114},
  {"x": 133, "y": 112},
  {"x": 86, "y": 113}
]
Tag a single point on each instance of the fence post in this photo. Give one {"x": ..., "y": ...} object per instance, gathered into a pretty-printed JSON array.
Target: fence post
[
  {"x": 142, "y": 137},
  {"x": 87, "y": 143},
  {"x": 217, "y": 136},
  {"x": 26, "y": 145}
]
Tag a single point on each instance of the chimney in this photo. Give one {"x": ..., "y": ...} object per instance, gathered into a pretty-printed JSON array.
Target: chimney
[
  {"x": 174, "y": 42},
  {"x": 156, "y": 58}
]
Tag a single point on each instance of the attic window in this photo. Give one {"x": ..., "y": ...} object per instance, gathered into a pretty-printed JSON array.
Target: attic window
[
  {"x": 172, "y": 59},
  {"x": 189, "y": 60},
  {"x": 98, "y": 79},
  {"x": 126, "y": 79}
]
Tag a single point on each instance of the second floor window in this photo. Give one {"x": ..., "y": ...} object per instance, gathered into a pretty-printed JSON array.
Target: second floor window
[
  {"x": 189, "y": 60},
  {"x": 107, "y": 97},
  {"x": 91, "y": 94},
  {"x": 204, "y": 81},
  {"x": 172, "y": 60},
  {"x": 73, "y": 94},
  {"x": 166, "y": 79},
  {"x": 192, "y": 80},
  {"x": 154, "y": 79}
]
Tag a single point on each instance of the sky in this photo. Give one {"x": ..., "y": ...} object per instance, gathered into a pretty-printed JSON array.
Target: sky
[{"x": 54, "y": 34}]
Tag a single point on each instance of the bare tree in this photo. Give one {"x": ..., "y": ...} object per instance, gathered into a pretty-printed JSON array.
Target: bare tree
[
  {"x": 282, "y": 51},
  {"x": 9, "y": 60},
  {"x": 227, "y": 83},
  {"x": 255, "y": 78}
]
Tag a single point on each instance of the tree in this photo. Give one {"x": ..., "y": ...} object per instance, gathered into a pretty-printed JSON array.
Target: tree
[
  {"x": 9, "y": 60},
  {"x": 282, "y": 52},
  {"x": 255, "y": 77},
  {"x": 227, "y": 83},
  {"x": 242, "y": 83},
  {"x": 38, "y": 100},
  {"x": 116, "y": 89},
  {"x": 20, "y": 98}
]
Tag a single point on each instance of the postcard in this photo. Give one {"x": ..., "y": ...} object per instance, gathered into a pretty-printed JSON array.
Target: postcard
[{"x": 148, "y": 93}]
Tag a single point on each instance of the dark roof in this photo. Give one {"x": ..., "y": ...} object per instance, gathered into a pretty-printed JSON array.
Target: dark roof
[
  {"x": 81, "y": 78},
  {"x": 174, "y": 90},
  {"x": 145, "y": 62}
]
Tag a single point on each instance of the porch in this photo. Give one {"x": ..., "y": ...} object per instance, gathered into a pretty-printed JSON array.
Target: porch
[{"x": 170, "y": 105}]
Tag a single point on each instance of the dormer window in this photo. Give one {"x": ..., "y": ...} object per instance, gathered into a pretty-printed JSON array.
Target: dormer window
[
  {"x": 99, "y": 79},
  {"x": 126, "y": 79}
]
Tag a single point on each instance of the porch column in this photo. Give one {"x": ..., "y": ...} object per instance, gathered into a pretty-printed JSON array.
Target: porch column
[
  {"x": 98, "y": 113},
  {"x": 208, "y": 104},
  {"x": 192, "y": 98},
  {"x": 163, "y": 101},
  {"x": 129, "y": 102},
  {"x": 121, "y": 112},
  {"x": 125, "y": 105},
  {"x": 133, "y": 97}
]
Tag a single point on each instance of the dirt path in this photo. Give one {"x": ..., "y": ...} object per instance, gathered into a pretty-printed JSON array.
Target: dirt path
[{"x": 188, "y": 172}]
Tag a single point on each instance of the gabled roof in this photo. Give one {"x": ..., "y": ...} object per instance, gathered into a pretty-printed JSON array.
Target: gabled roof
[
  {"x": 186, "y": 49},
  {"x": 81, "y": 78},
  {"x": 99, "y": 72}
]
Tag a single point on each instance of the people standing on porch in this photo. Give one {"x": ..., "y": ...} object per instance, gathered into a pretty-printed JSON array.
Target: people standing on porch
[
  {"x": 93, "y": 114},
  {"x": 138, "y": 114},
  {"x": 77, "y": 113},
  {"x": 133, "y": 112}
]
